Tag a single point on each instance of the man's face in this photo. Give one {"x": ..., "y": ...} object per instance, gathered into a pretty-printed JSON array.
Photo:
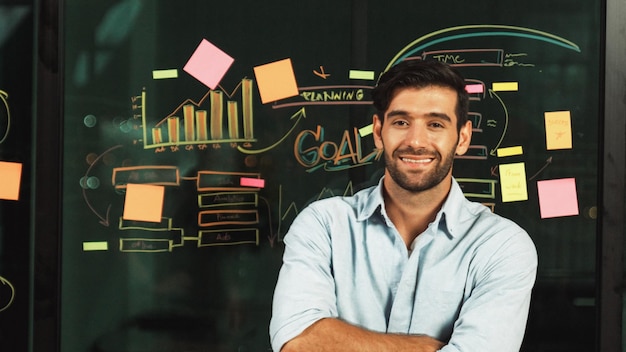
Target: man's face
[{"x": 420, "y": 138}]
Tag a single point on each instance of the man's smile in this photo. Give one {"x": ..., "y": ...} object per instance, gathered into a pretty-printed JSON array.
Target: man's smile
[{"x": 416, "y": 161}]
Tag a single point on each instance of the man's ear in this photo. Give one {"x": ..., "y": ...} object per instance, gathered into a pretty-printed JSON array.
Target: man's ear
[
  {"x": 465, "y": 138},
  {"x": 377, "y": 130}
]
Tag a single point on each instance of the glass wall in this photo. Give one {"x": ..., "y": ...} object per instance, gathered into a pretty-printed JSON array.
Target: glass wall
[
  {"x": 196, "y": 266},
  {"x": 16, "y": 128}
]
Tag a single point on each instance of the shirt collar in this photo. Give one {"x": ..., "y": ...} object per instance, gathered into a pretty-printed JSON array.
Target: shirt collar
[
  {"x": 371, "y": 201},
  {"x": 452, "y": 213}
]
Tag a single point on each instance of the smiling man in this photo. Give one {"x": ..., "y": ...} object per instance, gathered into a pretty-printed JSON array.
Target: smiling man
[{"x": 409, "y": 264}]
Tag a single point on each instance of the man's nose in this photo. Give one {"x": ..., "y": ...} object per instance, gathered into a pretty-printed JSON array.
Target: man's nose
[{"x": 416, "y": 136}]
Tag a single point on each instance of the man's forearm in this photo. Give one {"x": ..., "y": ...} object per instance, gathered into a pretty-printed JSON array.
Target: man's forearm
[{"x": 335, "y": 335}]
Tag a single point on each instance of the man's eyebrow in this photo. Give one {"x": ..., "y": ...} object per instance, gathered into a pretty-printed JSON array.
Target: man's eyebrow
[
  {"x": 394, "y": 113},
  {"x": 441, "y": 115}
]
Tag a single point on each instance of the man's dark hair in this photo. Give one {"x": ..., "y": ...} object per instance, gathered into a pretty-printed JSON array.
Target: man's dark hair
[{"x": 420, "y": 74}]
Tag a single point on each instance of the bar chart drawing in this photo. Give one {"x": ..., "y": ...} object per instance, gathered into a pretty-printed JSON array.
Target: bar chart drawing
[{"x": 223, "y": 121}]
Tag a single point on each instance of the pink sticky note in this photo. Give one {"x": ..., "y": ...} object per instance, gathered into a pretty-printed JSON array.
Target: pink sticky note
[
  {"x": 557, "y": 197},
  {"x": 252, "y": 182},
  {"x": 474, "y": 88},
  {"x": 208, "y": 64},
  {"x": 276, "y": 81},
  {"x": 143, "y": 202},
  {"x": 10, "y": 174}
]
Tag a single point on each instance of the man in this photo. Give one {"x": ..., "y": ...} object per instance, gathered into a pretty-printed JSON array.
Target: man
[{"x": 410, "y": 264}]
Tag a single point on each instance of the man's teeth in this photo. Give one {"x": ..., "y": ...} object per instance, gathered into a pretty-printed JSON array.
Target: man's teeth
[{"x": 416, "y": 161}]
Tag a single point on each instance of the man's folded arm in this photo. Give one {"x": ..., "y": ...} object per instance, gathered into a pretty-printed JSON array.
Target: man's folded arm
[{"x": 330, "y": 334}]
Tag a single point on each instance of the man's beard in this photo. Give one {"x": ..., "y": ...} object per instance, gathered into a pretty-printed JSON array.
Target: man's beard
[{"x": 419, "y": 182}]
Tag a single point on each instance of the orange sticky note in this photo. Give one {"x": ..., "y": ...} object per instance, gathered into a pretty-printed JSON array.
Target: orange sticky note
[
  {"x": 10, "y": 177},
  {"x": 143, "y": 202},
  {"x": 513, "y": 182},
  {"x": 558, "y": 130},
  {"x": 276, "y": 81},
  {"x": 557, "y": 197}
]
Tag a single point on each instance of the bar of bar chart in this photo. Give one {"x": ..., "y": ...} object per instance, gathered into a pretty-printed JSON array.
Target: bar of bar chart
[
  {"x": 217, "y": 114},
  {"x": 222, "y": 120}
]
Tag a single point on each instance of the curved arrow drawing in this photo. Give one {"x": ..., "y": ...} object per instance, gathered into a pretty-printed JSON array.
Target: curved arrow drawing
[
  {"x": 3, "y": 97},
  {"x": 506, "y": 121},
  {"x": 6, "y": 282},
  {"x": 300, "y": 114},
  {"x": 103, "y": 220},
  {"x": 502, "y": 30}
]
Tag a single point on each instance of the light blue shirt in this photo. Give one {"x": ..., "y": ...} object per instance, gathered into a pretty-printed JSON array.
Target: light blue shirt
[{"x": 467, "y": 280}]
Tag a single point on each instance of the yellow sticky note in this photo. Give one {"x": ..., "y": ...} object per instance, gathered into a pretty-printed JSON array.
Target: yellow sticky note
[
  {"x": 504, "y": 86},
  {"x": 143, "y": 202},
  {"x": 10, "y": 176},
  {"x": 367, "y": 130},
  {"x": 364, "y": 75},
  {"x": 95, "y": 246},
  {"x": 558, "y": 130},
  {"x": 276, "y": 81},
  {"x": 513, "y": 182},
  {"x": 165, "y": 74},
  {"x": 509, "y": 151}
]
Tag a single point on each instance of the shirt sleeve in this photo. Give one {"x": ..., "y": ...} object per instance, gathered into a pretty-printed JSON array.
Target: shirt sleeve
[
  {"x": 305, "y": 291},
  {"x": 494, "y": 316}
]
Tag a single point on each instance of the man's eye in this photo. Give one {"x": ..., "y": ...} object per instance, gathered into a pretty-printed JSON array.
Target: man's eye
[{"x": 400, "y": 123}]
